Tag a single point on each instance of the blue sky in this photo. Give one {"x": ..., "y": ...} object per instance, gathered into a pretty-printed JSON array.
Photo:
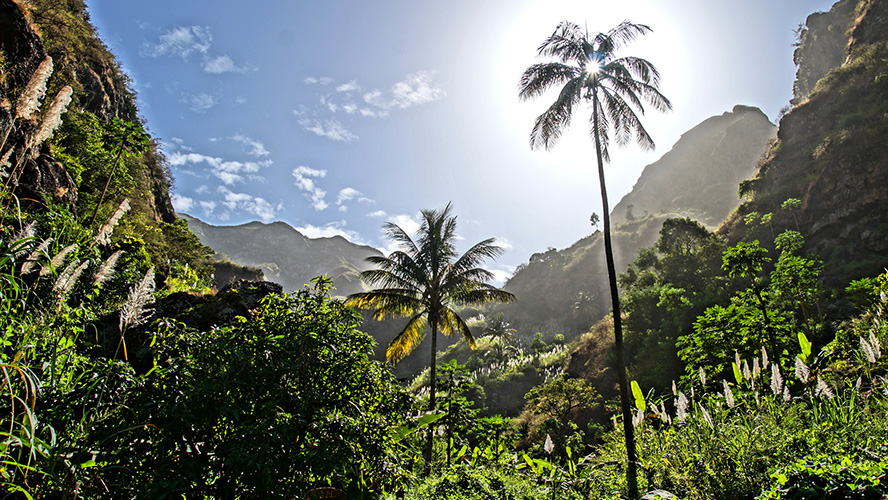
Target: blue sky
[{"x": 337, "y": 116}]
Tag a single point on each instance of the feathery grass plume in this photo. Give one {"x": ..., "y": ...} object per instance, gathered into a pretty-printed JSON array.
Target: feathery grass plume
[
  {"x": 787, "y": 397},
  {"x": 638, "y": 418},
  {"x": 64, "y": 286},
  {"x": 106, "y": 270},
  {"x": 65, "y": 276},
  {"x": 747, "y": 374},
  {"x": 802, "y": 371},
  {"x": 665, "y": 416},
  {"x": 133, "y": 311},
  {"x": 776, "y": 380},
  {"x": 53, "y": 117},
  {"x": 823, "y": 389},
  {"x": 681, "y": 407},
  {"x": 702, "y": 377},
  {"x": 29, "y": 100},
  {"x": 706, "y": 416},
  {"x": 549, "y": 446},
  {"x": 729, "y": 394},
  {"x": 874, "y": 343},
  {"x": 103, "y": 237},
  {"x": 737, "y": 359},
  {"x": 4, "y": 162},
  {"x": 756, "y": 368},
  {"x": 868, "y": 351},
  {"x": 28, "y": 266},
  {"x": 674, "y": 389},
  {"x": 764, "y": 357},
  {"x": 57, "y": 260},
  {"x": 25, "y": 232}
]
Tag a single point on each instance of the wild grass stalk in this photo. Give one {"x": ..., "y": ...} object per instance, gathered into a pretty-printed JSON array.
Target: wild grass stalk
[{"x": 134, "y": 311}]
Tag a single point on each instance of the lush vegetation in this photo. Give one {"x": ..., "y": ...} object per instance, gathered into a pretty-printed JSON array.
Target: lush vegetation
[{"x": 752, "y": 371}]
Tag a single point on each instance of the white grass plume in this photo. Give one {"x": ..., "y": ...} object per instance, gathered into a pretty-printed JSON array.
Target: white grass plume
[
  {"x": 681, "y": 407},
  {"x": 28, "y": 101},
  {"x": 106, "y": 270},
  {"x": 29, "y": 264},
  {"x": 69, "y": 277},
  {"x": 133, "y": 311},
  {"x": 823, "y": 390},
  {"x": 729, "y": 394},
  {"x": 53, "y": 117},
  {"x": 57, "y": 260},
  {"x": 103, "y": 237},
  {"x": 802, "y": 371},
  {"x": 776, "y": 380}
]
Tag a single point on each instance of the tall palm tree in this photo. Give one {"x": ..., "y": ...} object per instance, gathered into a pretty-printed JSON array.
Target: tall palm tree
[
  {"x": 425, "y": 280},
  {"x": 587, "y": 69}
]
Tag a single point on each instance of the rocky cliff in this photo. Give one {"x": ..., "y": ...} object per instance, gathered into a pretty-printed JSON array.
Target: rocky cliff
[{"x": 831, "y": 154}]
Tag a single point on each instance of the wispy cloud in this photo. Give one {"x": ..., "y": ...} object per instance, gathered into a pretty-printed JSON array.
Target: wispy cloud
[
  {"x": 329, "y": 128},
  {"x": 353, "y": 100},
  {"x": 223, "y": 64},
  {"x": 200, "y": 103},
  {"x": 244, "y": 202},
  {"x": 348, "y": 194},
  {"x": 256, "y": 147},
  {"x": 181, "y": 41},
  {"x": 230, "y": 172},
  {"x": 305, "y": 181}
]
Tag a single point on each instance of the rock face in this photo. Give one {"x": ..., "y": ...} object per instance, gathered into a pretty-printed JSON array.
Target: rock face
[
  {"x": 822, "y": 44},
  {"x": 99, "y": 88},
  {"x": 699, "y": 176},
  {"x": 285, "y": 255},
  {"x": 832, "y": 154}
]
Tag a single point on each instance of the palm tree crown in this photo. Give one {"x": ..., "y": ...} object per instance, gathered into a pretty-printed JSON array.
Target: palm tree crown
[
  {"x": 425, "y": 280},
  {"x": 588, "y": 69}
]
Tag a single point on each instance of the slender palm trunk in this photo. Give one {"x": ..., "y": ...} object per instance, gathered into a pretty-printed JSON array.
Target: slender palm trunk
[
  {"x": 628, "y": 429},
  {"x": 433, "y": 379}
]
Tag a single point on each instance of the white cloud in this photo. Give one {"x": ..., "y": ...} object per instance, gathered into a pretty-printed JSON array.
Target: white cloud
[
  {"x": 221, "y": 64},
  {"x": 256, "y": 147},
  {"x": 182, "y": 203},
  {"x": 247, "y": 203},
  {"x": 200, "y": 103},
  {"x": 504, "y": 243},
  {"x": 181, "y": 41},
  {"x": 351, "y": 86},
  {"x": 229, "y": 172},
  {"x": 379, "y": 214},
  {"x": 305, "y": 181},
  {"x": 417, "y": 88},
  {"x": 347, "y": 194},
  {"x": 501, "y": 275},
  {"x": 240, "y": 100},
  {"x": 331, "y": 129}
]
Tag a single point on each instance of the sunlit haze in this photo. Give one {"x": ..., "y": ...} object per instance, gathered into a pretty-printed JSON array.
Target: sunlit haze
[{"x": 338, "y": 116}]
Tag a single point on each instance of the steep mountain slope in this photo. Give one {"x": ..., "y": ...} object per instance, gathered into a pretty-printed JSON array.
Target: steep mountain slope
[
  {"x": 832, "y": 154},
  {"x": 699, "y": 176},
  {"x": 567, "y": 290},
  {"x": 285, "y": 255}
]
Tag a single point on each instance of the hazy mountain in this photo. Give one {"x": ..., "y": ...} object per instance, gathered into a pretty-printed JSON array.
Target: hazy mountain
[
  {"x": 699, "y": 176},
  {"x": 285, "y": 255},
  {"x": 567, "y": 290}
]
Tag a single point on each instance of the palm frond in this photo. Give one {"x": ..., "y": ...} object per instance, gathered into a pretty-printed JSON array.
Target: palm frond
[
  {"x": 407, "y": 340},
  {"x": 565, "y": 43},
  {"x": 549, "y": 126},
  {"x": 539, "y": 78},
  {"x": 451, "y": 322},
  {"x": 387, "y": 303}
]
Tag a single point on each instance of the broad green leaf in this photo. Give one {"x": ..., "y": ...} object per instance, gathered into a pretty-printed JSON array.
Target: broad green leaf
[{"x": 639, "y": 396}]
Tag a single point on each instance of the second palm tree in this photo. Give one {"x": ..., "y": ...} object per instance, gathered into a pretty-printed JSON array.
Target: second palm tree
[{"x": 424, "y": 280}]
